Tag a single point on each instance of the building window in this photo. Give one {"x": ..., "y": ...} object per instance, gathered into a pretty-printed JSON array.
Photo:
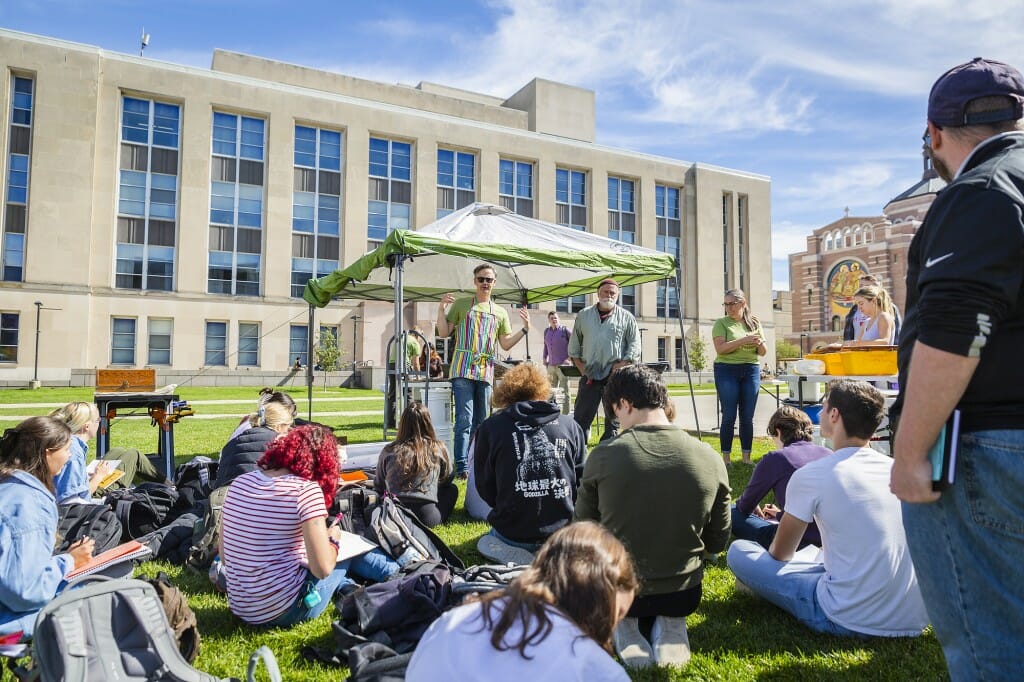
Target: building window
[
  {"x": 316, "y": 205},
  {"x": 160, "y": 333},
  {"x": 122, "y": 341},
  {"x": 9, "y": 337},
  {"x": 515, "y": 186},
  {"x": 216, "y": 344},
  {"x": 390, "y": 204},
  {"x": 571, "y": 211},
  {"x": 741, "y": 240},
  {"x": 456, "y": 181},
  {"x": 666, "y": 211},
  {"x": 627, "y": 299},
  {"x": 809, "y": 293},
  {"x": 15, "y": 217},
  {"x": 828, "y": 242},
  {"x": 680, "y": 356},
  {"x": 662, "y": 349},
  {"x": 236, "y": 205},
  {"x": 622, "y": 210},
  {"x": 147, "y": 206},
  {"x": 836, "y": 323},
  {"x": 248, "y": 344},
  {"x": 726, "y": 221},
  {"x": 298, "y": 344}
]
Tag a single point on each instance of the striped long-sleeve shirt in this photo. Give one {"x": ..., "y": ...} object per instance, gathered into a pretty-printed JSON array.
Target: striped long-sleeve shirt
[{"x": 264, "y": 553}]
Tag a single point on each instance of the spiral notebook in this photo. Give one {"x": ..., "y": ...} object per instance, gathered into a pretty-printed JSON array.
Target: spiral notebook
[{"x": 128, "y": 551}]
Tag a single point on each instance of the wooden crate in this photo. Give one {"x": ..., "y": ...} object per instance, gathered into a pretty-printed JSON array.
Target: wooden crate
[{"x": 125, "y": 380}]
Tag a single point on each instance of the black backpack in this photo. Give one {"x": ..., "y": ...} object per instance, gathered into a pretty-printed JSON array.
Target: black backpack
[
  {"x": 142, "y": 509},
  {"x": 77, "y": 520},
  {"x": 194, "y": 482},
  {"x": 401, "y": 534}
]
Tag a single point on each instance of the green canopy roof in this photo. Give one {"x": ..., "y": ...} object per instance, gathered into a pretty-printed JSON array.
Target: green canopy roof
[{"x": 534, "y": 261}]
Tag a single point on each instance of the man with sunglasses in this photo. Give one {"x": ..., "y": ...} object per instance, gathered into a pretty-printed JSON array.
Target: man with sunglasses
[
  {"x": 480, "y": 326},
  {"x": 960, "y": 348}
]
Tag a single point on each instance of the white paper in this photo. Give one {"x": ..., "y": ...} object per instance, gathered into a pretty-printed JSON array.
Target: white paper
[
  {"x": 352, "y": 545},
  {"x": 114, "y": 463}
]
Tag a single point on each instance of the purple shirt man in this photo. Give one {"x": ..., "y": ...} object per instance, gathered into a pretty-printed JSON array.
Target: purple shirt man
[{"x": 556, "y": 352}]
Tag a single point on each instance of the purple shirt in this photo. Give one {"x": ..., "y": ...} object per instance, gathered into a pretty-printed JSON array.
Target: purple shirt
[
  {"x": 556, "y": 345},
  {"x": 773, "y": 472}
]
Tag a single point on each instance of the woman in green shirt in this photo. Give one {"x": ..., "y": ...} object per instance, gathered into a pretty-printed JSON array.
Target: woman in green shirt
[{"x": 738, "y": 342}]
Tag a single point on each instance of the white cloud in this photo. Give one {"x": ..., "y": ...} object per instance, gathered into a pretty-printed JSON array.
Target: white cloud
[{"x": 863, "y": 185}]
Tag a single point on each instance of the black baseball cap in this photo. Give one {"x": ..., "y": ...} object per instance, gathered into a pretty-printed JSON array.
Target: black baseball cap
[{"x": 955, "y": 89}]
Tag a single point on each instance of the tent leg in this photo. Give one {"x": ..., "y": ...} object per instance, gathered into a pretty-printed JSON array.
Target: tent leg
[
  {"x": 686, "y": 351},
  {"x": 309, "y": 365}
]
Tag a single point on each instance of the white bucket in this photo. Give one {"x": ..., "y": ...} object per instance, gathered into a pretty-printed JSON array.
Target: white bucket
[{"x": 438, "y": 400}]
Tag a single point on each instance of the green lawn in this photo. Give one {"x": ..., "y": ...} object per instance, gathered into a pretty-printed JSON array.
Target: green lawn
[{"x": 734, "y": 637}]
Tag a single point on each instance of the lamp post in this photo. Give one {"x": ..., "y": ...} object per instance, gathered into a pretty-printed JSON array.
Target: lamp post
[
  {"x": 355, "y": 336},
  {"x": 642, "y": 330},
  {"x": 35, "y": 365},
  {"x": 803, "y": 346}
]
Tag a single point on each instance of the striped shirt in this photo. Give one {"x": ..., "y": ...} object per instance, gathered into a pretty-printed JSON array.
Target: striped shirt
[{"x": 264, "y": 553}]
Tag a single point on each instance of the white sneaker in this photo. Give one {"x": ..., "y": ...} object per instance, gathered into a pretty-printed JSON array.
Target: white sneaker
[
  {"x": 671, "y": 643},
  {"x": 630, "y": 645},
  {"x": 496, "y": 550}
]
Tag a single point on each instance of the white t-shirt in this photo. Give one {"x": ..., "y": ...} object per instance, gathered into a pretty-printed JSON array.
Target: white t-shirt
[
  {"x": 457, "y": 648},
  {"x": 869, "y": 584}
]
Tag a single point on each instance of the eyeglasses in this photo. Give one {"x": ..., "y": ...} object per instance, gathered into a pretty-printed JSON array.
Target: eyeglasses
[
  {"x": 727, "y": 304},
  {"x": 488, "y": 280}
]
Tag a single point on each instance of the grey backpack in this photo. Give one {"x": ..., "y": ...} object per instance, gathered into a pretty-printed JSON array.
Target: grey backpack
[{"x": 109, "y": 631}]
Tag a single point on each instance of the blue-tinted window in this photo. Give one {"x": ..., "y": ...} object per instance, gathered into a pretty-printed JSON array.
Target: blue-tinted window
[
  {"x": 621, "y": 212},
  {"x": 122, "y": 341},
  {"x": 316, "y": 205},
  {"x": 515, "y": 186},
  {"x": 216, "y": 344},
  {"x": 9, "y": 337},
  {"x": 248, "y": 344},
  {"x": 160, "y": 334},
  {"x": 456, "y": 180},
  {"x": 390, "y": 188},
  {"x": 21, "y": 104},
  {"x": 298, "y": 344}
]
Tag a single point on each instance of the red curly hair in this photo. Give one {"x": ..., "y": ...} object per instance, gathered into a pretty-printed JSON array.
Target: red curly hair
[{"x": 310, "y": 452}]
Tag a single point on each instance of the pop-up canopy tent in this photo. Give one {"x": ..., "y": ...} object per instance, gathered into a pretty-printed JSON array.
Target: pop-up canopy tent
[{"x": 534, "y": 261}]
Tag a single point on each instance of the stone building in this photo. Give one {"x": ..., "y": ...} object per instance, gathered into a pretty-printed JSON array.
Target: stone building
[
  {"x": 166, "y": 216},
  {"x": 824, "y": 278}
]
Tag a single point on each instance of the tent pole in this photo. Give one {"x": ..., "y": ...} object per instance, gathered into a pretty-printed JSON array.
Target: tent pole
[
  {"x": 309, "y": 365},
  {"x": 526, "y": 334},
  {"x": 401, "y": 339},
  {"x": 686, "y": 353}
]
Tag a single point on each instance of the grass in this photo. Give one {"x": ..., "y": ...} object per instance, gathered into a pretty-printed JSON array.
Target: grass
[{"x": 734, "y": 636}]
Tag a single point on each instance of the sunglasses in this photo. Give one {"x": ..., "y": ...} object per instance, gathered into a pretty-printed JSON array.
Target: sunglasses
[
  {"x": 730, "y": 305},
  {"x": 488, "y": 280}
]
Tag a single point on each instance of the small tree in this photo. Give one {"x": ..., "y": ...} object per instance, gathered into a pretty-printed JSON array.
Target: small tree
[
  {"x": 697, "y": 353},
  {"x": 327, "y": 353},
  {"x": 785, "y": 350}
]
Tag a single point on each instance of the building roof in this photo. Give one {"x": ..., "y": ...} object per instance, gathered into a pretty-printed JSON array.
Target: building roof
[{"x": 931, "y": 183}]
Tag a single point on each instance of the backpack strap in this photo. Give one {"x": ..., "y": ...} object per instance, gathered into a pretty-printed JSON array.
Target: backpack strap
[{"x": 269, "y": 662}]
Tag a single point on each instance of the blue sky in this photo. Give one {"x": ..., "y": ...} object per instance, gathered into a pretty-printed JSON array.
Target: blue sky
[{"x": 827, "y": 98}]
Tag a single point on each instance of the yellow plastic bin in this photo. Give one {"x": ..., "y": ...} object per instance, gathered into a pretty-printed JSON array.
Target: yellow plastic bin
[
  {"x": 869, "y": 361},
  {"x": 833, "y": 363}
]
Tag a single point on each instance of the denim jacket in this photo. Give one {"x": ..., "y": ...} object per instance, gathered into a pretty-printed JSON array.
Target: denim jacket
[
  {"x": 29, "y": 573},
  {"x": 73, "y": 481}
]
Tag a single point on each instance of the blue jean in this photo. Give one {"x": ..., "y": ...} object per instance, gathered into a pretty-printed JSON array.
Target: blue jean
[
  {"x": 751, "y": 527},
  {"x": 472, "y": 403},
  {"x": 790, "y": 585},
  {"x": 737, "y": 387},
  {"x": 968, "y": 549},
  {"x": 374, "y": 565}
]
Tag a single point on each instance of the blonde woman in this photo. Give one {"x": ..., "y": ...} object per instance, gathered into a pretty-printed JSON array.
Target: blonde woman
[
  {"x": 879, "y": 326},
  {"x": 73, "y": 483},
  {"x": 739, "y": 342},
  {"x": 239, "y": 456}
]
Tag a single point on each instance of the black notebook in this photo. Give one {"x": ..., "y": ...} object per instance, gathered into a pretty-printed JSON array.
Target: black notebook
[{"x": 943, "y": 453}]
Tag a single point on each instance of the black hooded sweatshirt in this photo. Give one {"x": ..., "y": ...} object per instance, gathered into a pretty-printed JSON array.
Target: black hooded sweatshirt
[{"x": 527, "y": 461}]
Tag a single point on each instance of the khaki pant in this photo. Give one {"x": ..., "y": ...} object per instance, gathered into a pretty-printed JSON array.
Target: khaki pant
[{"x": 559, "y": 380}]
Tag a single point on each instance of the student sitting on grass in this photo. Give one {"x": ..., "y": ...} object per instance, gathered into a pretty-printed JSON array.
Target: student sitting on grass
[
  {"x": 527, "y": 460},
  {"x": 73, "y": 483},
  {"x": 31, "y": 454},
  {"x": 791, "y": 429},
  {"x": 267, "y": 396},
  {"x": 417, "y": 469},
  {"x": 279, "y": 556},
  {"x": 554, "y": 622},
  {"x": 241, "y": 453},
  {"x": 665, "y": 495},
  {"x": 862, "y": 581}
]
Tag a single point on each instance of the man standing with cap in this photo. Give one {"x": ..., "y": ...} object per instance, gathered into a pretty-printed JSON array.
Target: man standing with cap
[
  {"x": 960, "y": 348},
  {"x": 604, "y": 338}
]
